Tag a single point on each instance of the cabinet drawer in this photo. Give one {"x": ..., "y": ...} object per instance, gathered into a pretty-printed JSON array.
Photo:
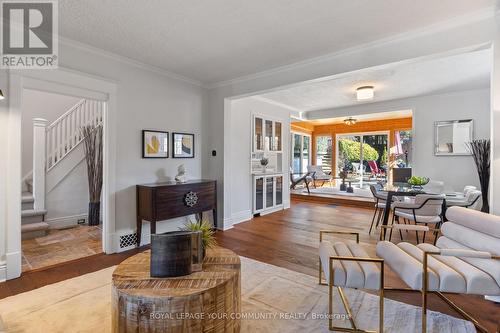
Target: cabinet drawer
[{"x": 170, "y": 202}]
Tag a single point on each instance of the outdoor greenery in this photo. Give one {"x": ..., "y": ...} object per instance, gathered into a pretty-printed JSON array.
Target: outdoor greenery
[
  {"x": 383, "y": 159},
  {"x": 351, "y": 150}
]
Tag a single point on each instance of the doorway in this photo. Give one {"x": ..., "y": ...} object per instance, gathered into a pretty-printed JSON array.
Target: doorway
[{"x": 57, "y": 183}]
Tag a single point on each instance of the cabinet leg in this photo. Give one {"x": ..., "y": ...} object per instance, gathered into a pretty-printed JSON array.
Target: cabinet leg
[
  {"x": 214, "y": 211},
  {"x": 139, "y": 231}
]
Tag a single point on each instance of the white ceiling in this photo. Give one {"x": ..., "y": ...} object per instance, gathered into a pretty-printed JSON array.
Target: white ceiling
[
  {"x": 458, "y": 72},
  {"x": 215, "y": 40}
]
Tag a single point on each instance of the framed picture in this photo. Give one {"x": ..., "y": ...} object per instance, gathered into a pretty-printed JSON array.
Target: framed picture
[
  {"x": 182, "y": 145},
  {"x": 154, "y": 144}
]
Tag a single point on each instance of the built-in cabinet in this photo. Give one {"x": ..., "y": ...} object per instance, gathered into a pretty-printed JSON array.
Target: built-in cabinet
[
  {"x": 267, "y": 144},
  {"x": 268, "y": 193}
]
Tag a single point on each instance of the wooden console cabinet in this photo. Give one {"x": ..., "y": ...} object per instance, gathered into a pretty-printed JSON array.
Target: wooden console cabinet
[{"x": 163, "y": 201}]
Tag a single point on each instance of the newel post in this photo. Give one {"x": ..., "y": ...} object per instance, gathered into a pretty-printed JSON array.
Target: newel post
[{"x": 39, "y": 154}]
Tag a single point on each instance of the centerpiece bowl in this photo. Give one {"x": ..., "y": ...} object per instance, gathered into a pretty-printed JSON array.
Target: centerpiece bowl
[{"x": 418, "y": 182}]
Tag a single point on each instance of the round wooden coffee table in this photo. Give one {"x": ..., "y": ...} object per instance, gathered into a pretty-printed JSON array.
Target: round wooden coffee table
[{"x": 206, "y": 301}]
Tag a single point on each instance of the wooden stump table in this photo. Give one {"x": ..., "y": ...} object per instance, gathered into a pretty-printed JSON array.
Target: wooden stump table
[{"x": 206, "y": 301}]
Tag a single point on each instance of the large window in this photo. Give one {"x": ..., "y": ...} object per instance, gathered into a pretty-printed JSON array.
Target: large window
[
  {"x": 324, "y": 152},
  {"x": 301, "y": 152}
]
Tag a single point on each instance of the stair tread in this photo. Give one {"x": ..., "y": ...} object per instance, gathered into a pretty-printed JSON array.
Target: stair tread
[
  {"x": 33, "y": 212},
  {"x": 34, "y": 226}
]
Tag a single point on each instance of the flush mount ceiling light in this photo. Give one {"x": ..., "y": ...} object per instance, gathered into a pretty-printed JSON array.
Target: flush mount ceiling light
[
  {"x": 350, "y": 121},
  {"x": 365, "y": 93},
  {"x": 1, "y": 94}
]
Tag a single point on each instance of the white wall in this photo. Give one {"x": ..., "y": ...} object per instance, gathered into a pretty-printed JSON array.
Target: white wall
[
  {"x": 455, "y": 171},
  {"x": 146, "y": 100},
  {"x": 241, "y": 117},
  {"x": 39, "y": 104}
]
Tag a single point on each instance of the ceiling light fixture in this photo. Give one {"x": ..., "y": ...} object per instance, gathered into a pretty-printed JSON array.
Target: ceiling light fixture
[
  {"x": 365, "y": 93},
  {"x": 1, "y": 94},
  {"x": 350, "y": 121}
]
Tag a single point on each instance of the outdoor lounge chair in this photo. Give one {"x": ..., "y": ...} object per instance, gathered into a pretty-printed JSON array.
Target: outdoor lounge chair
[{"x": 298, "y": 178}]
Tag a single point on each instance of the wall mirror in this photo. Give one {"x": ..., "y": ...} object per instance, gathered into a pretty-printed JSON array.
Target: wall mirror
[{"x": 451, "y": 137}]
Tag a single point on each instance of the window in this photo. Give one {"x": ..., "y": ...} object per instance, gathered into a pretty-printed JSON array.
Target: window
[
  {"x": 324, "y": 152},
  {"x": 301, "y": 152}
]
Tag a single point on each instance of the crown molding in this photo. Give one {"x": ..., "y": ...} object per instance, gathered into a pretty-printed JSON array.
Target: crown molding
[
  {"x": 484, "y": 14},
  {"x": 128, "y": 61}
]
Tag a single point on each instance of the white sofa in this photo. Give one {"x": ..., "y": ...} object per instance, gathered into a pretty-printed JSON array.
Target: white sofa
[{"x": 464, "y": 260}]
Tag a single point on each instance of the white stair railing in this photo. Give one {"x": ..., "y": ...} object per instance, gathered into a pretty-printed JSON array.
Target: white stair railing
[{"x": 64, "y": 134}]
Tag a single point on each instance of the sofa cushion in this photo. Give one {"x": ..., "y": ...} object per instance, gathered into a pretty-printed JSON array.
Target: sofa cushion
[
  {"x": 346, "y": 273},
  {"x": 405, "y": 265},
  {"x": 449, "y": 279},
  {"x": 490, "y": 267},
  {"x": 486, "y": 223},
  {"x": 477, "y": 281},
  {"x": 471, "y": 238}
]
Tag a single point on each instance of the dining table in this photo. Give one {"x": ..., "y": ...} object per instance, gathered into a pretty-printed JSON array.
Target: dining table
[{"x": 403, "y": 190}]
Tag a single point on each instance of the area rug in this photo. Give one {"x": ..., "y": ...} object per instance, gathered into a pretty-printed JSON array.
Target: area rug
[{"x": 275, "y": 300}]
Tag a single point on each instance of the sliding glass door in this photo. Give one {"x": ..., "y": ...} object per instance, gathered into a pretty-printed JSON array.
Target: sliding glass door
[
  {"x": 301, "y": 152},
  {"x": 363, "y": 156}
]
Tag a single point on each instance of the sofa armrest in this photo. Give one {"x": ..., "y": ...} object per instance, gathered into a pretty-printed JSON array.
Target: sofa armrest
[
  {"x": 466, "y": 253},
  {"x": 322, "y": 232}
]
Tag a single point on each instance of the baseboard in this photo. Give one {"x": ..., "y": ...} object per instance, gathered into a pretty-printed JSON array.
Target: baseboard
[
  {"x": 13, "y": 265},
  {"x": 242, "y": 216},
  {"x": 227, "y": 223},
  {"x": 495, "y": 299},
  {"x": 65, "y": 221},
  {"x": 3, "y": 271}
]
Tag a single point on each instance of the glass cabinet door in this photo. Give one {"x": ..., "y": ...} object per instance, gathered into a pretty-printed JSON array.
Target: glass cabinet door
[
  {"x": 259, "y": 193},
  {"x": 279, "y": 190},
  {"x": 277, "y": 136},
  {"x": 268, "y": 141},
  {"x": 258, "y": 134},
  {"x": 269, "y": 192}
]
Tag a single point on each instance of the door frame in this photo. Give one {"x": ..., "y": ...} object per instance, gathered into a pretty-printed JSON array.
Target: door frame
[
  {"x": 292, "y": 142},
  {"x": 69, "y": 82}
]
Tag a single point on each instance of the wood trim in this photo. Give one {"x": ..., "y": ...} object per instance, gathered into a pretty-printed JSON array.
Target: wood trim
[{"x": 302, "y": 127}]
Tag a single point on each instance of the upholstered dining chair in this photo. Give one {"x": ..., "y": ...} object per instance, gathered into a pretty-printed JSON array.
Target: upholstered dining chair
[
  {"x": 471, "y": 200},
  {"x": 425, "y": 209},
  {"x": 380, "y": 200}
]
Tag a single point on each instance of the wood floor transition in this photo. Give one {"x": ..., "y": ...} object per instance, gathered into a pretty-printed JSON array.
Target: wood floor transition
[{"x": 287, "y": 239}]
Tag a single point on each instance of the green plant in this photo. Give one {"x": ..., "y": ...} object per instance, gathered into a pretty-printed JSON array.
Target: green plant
[
  {"x": 383, "y": 159},
  {"x": 352, "y": 151},
  {"x": 208, "y": 235}
]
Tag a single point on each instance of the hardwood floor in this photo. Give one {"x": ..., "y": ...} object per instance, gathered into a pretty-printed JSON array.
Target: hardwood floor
[{"x": 288, "y": 239}]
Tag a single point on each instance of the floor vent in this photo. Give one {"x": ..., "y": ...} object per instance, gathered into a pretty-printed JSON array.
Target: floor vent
[{"x": 128, "y": 241}]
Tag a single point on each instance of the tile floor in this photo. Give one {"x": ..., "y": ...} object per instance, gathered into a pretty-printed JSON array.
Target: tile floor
[{"x": 60, "y": 246}]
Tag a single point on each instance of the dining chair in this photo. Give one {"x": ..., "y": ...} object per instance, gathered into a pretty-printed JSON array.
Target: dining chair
[
  {"x": 380, "y": 202},
  {"x": 425, "y": 209},
  {"x": 471, "y": 200}
]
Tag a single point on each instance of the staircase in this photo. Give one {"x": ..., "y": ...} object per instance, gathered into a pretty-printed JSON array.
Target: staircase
[{"x": 56, "y": 151}]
